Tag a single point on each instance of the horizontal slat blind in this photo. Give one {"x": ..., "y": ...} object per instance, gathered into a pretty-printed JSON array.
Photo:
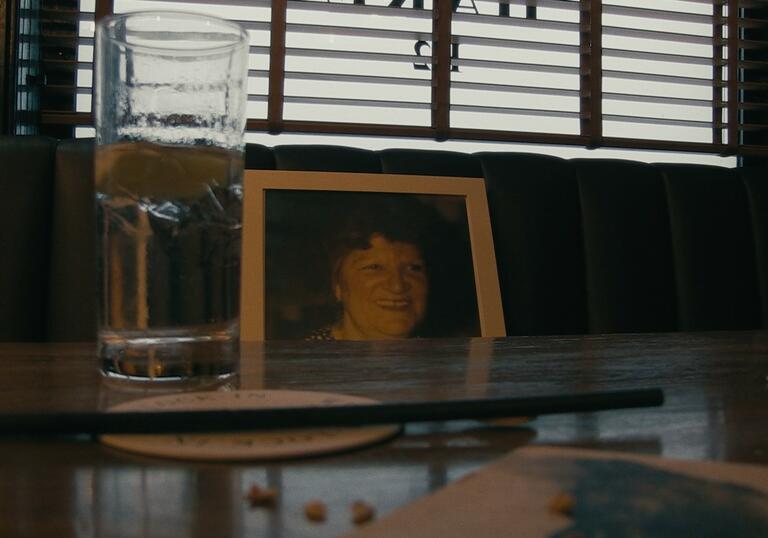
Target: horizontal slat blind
[
  {"x": 356, "y": 64},
  {"x": 751, "y": 48},
  {"x": 253, "y": 15},
  {"x": 514, "y": 72},
  {"x": 658, "y": 74},
  {"x": 651, "y": 55}
]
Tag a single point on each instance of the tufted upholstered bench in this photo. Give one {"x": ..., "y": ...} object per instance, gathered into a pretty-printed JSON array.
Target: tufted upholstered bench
[{"x": 582, "y": 245}]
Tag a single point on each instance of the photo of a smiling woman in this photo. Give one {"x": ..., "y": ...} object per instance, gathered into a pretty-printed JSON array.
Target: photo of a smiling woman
[
  {"x": 383, "y": 266},
  {"x": 379, "y": 274}
]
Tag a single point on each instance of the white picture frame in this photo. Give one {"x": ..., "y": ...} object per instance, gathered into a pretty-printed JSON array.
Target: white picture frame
[{"x": 275, "y": 198}]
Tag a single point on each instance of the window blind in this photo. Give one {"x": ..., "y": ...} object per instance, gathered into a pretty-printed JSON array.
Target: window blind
[{"x": 683, "y": 75}]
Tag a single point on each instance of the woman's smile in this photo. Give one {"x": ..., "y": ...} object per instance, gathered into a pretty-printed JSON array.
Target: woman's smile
[{"x": 394, "y": 304}]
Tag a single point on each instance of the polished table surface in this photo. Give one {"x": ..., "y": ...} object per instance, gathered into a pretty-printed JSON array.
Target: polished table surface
[{"x": 716, "y": 408}]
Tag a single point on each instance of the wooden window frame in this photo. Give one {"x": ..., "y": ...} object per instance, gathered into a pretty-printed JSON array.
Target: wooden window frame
[{"x": 591, "y": 94}]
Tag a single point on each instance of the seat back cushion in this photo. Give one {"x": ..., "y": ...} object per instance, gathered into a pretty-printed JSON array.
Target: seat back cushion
[
  {"x": 25, "y": 229},
  {"x": 259, "y": 157},
  {"x": 756, "y": 181},
  {"x": 324, "y": 158},
  {"x": 714, "y": 249},
  {"x": 627, "y": 247},
  {"x": 430, "y": 163},
  {"x": 536, "y": 221},
  {"x": 72, "y": 312}
]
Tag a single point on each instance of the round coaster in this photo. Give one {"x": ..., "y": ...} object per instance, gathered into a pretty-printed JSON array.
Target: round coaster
[{"x": 278, "y": 444}]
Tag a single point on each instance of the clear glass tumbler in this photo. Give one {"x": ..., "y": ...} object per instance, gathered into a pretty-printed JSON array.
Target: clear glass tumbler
[{"x": 170, "y": 93}]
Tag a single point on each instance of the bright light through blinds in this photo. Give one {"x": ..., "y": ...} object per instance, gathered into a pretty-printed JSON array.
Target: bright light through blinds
[
  {"x": 508, "y": 73},
  {"x": 254, "y": 17},
  {"x": 675, "y": 49},
  {"x": 84, "y": 80},
  {"x": 516, "y": 73},
  {"x": 345, "y": 66}
]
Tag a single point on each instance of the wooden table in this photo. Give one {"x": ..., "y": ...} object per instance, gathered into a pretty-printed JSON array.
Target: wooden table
[{"x": 716, "y": 408}]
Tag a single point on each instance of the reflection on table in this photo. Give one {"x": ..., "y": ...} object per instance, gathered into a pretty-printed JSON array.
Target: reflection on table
[{"x": 715, "y": 409}]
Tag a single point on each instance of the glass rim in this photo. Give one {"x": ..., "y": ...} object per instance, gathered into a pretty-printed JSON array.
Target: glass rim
[{"x": 240, "y": 35}]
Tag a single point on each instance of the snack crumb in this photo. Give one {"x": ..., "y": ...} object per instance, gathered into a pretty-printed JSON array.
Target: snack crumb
[
  {"x": 259, "y": 496},
  {"x": 315, "y": 510},
  {"x": 362, "y": 512},
  {"x": 562, "y": 503}
]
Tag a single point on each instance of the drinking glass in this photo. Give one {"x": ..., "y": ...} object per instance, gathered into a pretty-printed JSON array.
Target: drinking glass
[{"x": 170, "y": 92}]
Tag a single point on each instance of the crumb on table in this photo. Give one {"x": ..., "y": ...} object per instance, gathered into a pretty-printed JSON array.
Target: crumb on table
[
  {"x": 315, "y": 510},
  {"x": 562, "y": 503},
  {"x": 259, "y": 496},
  {"x": 362, "y": 512}
]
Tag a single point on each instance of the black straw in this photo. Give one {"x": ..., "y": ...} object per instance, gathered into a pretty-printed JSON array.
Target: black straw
[{"x": 155, "y": 422}]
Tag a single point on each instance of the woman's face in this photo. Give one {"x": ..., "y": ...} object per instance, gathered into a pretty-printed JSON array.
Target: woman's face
[{"x": 383, "y": 290}]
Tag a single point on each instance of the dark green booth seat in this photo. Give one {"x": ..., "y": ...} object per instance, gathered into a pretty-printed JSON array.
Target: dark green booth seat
[
  {"x": 629, "y": 269},
  {"x": 321, "y": 158},
  {"x": 536, "y": 220},
  {"x": 430, "y": 163},
  {"x": 26, "y": 203},
  {"x": 713, "y": 240},
  {"x": 582, "y": 245}
]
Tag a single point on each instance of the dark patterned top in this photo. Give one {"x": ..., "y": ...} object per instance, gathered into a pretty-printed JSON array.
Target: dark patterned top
[{"x": 323, "y": 333}]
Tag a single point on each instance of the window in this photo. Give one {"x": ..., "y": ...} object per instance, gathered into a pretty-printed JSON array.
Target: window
[{"x": 679, "y": 75}]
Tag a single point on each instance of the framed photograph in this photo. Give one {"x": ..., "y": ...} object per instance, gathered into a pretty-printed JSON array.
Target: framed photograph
[{"x": 347, "y": 256}]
